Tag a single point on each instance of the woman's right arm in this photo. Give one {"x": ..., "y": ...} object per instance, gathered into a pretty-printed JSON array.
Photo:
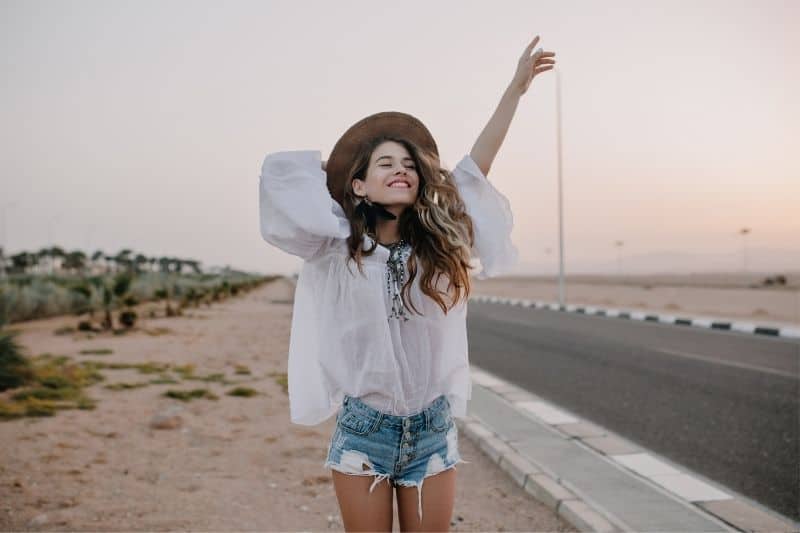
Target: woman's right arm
[{"x": 297, "y": 212}]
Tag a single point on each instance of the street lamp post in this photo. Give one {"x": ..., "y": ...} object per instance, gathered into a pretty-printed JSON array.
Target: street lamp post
[
  {"x": 50, "y": 242},
  {"x": 618, "y": 244},
  {"x": 560, "y": 194},
  {"x": 743, "y": 232}
]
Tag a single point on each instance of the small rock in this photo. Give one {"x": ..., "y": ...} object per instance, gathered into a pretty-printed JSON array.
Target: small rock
[
  {"x": 38, "y": 520},
  {"x": 166, "y": 421},
  {"x": 304, "y": 508}
]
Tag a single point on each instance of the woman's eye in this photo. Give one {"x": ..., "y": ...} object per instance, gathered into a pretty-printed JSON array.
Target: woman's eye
[{"x": 412, "y": 167}]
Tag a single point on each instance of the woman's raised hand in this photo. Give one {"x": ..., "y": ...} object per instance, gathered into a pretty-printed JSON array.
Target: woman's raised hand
[{"x": 530, "y": 65}]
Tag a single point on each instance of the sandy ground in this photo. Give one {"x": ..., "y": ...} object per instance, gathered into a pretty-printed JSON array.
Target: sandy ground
[
  {"x": 676, "y": 297},
  {"x": 229, "y": 464}
]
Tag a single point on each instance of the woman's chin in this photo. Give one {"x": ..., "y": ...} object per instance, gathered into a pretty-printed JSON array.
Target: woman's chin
[
  {"x": 400, "y": 197},
  {"x": 401, "y": 203}
]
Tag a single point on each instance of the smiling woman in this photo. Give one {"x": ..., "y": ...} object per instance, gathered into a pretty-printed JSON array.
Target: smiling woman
[{"x": 389, "y": 352}]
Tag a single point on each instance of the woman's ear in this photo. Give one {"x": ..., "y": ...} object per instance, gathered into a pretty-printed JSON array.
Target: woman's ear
[{"x": 358, "y": 187}]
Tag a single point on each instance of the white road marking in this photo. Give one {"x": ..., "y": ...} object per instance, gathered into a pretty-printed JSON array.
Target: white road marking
[{"x": 729, "y": 363}]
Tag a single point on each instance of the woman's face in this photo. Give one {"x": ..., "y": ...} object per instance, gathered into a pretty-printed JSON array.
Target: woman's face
[{"x": 390, "y": 163}]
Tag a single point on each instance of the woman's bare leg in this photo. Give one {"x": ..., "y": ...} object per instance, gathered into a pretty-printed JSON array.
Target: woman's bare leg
[
  {"x": 438, "y": 498},
  {"x": 361, "y": 509}
]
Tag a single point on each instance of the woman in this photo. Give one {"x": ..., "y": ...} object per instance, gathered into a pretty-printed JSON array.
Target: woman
[{"x": 383, "y": 345}]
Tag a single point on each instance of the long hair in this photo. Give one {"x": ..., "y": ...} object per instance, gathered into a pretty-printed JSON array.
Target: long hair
[{"x": 436, "y": 226}]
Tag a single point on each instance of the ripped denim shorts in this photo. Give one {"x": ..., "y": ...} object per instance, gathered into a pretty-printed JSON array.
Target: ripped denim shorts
[{"x": 404, "y": 450}]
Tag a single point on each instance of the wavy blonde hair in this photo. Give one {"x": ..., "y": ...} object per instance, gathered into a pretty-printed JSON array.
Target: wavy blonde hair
[{"x": 436, "y": 226}]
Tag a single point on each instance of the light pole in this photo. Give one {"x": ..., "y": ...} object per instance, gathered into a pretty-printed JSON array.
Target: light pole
[
  {"x": 618, "y": 244},
  {"x": 743, "y": 232},
  {"x": 51, "y": 244},
  {"x": 560, "y": 194},
  {"x": 89, "y": 231}
]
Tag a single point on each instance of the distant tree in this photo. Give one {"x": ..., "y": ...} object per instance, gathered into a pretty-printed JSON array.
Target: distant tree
[{"x": 74, "y": 261}]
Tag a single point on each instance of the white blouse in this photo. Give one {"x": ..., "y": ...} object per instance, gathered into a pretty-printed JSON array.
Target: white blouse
[{"x": 343, "y": 338}]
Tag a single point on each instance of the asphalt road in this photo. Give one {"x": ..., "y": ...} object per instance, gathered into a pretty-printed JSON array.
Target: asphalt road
[{"x": 722, "y": 403}]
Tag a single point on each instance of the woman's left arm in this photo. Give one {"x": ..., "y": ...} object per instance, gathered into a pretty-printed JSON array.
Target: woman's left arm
[{"x": 490, "y": 139}]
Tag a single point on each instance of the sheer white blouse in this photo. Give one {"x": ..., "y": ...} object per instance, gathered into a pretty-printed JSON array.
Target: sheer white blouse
[{"x": 342, "y": 339}]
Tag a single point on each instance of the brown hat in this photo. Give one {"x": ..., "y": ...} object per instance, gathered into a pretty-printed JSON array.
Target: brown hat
[{"x": 394, "y": 123}]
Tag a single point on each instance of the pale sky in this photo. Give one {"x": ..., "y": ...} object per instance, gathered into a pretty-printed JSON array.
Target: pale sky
[{"x": 143, "y": 124}]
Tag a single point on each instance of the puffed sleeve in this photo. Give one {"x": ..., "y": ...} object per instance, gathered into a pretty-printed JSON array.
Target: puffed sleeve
[
  {"x": 492, "y": 219},
  {"x": 297, "y": 212}
]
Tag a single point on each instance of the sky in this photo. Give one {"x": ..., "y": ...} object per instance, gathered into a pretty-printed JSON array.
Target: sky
[{"x": 143, "y": 124}]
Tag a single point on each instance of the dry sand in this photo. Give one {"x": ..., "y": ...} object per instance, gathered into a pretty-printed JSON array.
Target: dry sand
[
  {"x": 229, "y": 464},
  {"x": 723, "y": 296}
]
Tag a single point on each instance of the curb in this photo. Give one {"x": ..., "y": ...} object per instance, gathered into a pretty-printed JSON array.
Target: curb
[
  {"x": 535, "y": 481},
  {"x": 725, "y": 505},
  {"x": 704, "y": 322}
]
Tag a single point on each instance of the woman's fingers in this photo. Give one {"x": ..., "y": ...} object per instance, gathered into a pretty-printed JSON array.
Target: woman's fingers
[
  {"x": 528, "y": 48},
  {"x": 532, "y": 63}
]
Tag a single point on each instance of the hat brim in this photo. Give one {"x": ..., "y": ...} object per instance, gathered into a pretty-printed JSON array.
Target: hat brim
[{"x": 395, "y": 123}]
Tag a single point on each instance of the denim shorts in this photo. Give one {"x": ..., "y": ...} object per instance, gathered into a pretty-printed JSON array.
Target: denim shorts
[{"x": 404, "y": 450}]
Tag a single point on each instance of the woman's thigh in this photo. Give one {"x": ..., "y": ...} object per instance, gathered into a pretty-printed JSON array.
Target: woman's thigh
[
  {"x": 437, "y": 503},
  {"x": 361, "y": 509}
]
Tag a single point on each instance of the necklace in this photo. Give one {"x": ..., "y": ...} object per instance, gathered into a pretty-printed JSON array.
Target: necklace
[{"x": 395, "y": 276}]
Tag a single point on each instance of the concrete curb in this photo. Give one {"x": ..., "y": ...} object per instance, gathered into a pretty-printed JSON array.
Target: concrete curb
[
  {"x": 723, "y": 504},
  {"x": 531, "y": 478},
  {"x": 703, "y": 322}
]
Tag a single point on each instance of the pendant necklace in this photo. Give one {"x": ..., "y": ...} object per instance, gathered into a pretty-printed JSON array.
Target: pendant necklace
[{"x": 399, "y": 253}]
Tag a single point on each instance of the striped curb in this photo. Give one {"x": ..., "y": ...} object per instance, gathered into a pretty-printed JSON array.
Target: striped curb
[
  {"x": 704, "y": 322},
  {"x": 533, "y": 480},
  {"x": 696, "y": 491}
]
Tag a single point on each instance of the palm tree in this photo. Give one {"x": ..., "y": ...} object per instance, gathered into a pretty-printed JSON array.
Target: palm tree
[
  {"x": 75, "y": 260},
  {"x": 98, "y": 254},
  {"x": 23, "y": 261},
  {"x": 138, "y": 261},
  {"x": 114, "y": 295}
]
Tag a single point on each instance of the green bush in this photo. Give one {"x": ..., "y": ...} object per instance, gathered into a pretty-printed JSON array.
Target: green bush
[{"x": 15, "y": 369}]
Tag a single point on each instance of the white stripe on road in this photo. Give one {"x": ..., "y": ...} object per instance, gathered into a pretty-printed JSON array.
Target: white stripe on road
[{"x": 734, "y": 364}]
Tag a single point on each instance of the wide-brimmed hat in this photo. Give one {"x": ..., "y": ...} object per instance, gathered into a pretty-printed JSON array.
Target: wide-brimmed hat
[{"x": 394, "y": 123}]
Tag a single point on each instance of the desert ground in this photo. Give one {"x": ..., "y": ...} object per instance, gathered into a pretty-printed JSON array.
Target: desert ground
[
  {"x": 740, "y": 297},
  {"x": 141, "y": 461}
]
